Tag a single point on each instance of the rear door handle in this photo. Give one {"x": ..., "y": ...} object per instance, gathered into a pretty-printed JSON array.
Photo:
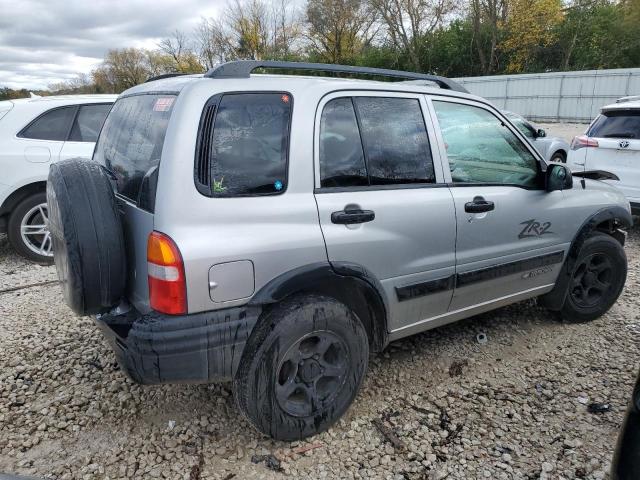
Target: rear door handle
[
  {"x": 351, "y": 217},
  {"x": 479, "y": 205}
]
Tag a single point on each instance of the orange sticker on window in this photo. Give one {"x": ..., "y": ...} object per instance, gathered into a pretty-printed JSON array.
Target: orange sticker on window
[{"x": 163, "y": 104}]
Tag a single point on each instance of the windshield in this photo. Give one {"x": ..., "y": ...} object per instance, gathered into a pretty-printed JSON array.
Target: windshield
[{"x": 130, "y": 144}]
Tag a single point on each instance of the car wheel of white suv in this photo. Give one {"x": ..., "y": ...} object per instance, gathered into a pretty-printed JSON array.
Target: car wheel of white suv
[{"x": 29, "y": 229}]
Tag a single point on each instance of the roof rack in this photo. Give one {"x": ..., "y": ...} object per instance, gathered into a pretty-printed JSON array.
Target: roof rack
[
  {"x": 631, "y": 98},
  {"x": 243, "y": 69},
  {"x": 164, "y": 75}
]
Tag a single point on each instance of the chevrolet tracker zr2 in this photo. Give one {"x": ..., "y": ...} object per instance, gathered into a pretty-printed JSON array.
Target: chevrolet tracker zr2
[{"x": 274, "y": 230}]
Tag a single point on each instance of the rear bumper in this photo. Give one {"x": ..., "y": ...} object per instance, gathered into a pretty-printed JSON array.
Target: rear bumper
[{"x": 198, "y": 348}]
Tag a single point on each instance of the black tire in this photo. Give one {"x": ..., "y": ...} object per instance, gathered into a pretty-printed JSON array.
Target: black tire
[
  {"x": 597, "y": 279},
  {"x": 559, "y": 157},
  {"x": 87, "y": 236},
  {"x": 26, "y": 212},
  {"x": 285, "y": 350}
]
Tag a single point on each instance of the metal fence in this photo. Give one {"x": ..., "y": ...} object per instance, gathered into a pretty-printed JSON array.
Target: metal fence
[{"x": 556, "y": 97}]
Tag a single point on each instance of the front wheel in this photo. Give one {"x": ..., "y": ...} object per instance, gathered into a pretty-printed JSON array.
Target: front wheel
[
  {"x": 559, "y": 157},
  {"x": 597, "y": 279},
  {"x": 28, "y": 229},
  {"x": 302, "y": 367}
]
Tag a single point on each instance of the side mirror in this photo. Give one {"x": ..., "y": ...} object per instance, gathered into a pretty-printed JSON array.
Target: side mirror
[
  {"x": 541, "y": 133},
  {"x": 558, "y": 177}
]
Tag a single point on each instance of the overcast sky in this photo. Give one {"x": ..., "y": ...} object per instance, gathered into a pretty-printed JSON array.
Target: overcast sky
[{"x": 48, "y": 41}]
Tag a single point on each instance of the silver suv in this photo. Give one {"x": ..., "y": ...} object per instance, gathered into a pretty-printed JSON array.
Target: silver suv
[{"x": 273, "y": 230}]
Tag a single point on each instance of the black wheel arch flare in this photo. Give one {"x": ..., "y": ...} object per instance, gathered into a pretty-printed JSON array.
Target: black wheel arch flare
[
  {"x": 608, "y": 220},
  {"x": 349, "y": 283}
]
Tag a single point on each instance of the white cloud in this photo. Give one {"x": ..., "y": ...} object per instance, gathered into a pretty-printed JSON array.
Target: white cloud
[{"x": 48, "y": 41}]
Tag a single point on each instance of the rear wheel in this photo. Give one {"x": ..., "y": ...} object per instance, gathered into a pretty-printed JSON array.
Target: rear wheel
[
  {"x": 28, "y": 229},
  {"x": 302, "y": 367},
  {"x": 597, "y": 278}
]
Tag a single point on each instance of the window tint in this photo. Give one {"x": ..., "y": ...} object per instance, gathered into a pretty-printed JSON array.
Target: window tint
[
  {"x": 248, "y": 155},
  {"x": 341, "y": 157},
  {"x": 53, "y": 125},
  {"x": 395, "y": 140},
  {"x": 481, "y": 149},
  {"x": 131, "y": 144},
  {"x": 88, "y": 123},
  {"x": 617, "y": 124}
]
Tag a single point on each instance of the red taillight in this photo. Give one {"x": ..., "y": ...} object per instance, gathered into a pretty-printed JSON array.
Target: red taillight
[
  {"x": 583, "y": 141},
  {"x": 167, "y": 286}
]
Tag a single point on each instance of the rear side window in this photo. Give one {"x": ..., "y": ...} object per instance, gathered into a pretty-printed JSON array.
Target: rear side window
[
  {"x": 341, "y": 155},
  {"x": 130, "y": 144},
  {"x": 52, "y": 125},
  {"x": 395, "y": 141},
  {"x": 616, "y": 124},
  {"x": 88, "y": 122},
  {"x": 243, "y": 145},
  {"x": 374, "y": 141}
]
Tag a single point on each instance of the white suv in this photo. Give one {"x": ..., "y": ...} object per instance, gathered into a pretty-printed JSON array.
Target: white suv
[
  {"x": 34, "y": 132},
  {"x": 612, "y": 143}
]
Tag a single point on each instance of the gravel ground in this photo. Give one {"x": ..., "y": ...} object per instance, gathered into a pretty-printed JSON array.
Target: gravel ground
[{"x": 514, "y": 407}]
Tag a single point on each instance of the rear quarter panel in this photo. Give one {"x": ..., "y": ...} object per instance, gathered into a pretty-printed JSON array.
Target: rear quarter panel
[{"x": 277, "y": 233}]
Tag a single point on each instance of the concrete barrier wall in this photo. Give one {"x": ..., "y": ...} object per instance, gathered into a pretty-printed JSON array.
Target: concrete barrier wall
[{"x": 559, "y": 96}]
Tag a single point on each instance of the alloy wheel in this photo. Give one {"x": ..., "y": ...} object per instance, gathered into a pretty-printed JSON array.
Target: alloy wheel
[
  {"x": 592, "y": 279},
  {"x": 312, "y": 373},
  {"x": 34, "y": 230}
]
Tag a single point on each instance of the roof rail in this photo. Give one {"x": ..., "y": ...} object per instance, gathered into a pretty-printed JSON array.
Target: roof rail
[
  {"x": 164, "y": 75},
  {"x": 631, "y": 98},
  {"x": 243, "y": 69}
]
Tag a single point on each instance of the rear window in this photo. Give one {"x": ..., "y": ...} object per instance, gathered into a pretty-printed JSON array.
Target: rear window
[
  {"x": 130, "y": 144},
  {"x": 616, "y": 124},
  {"x": 243, "y": 145}
]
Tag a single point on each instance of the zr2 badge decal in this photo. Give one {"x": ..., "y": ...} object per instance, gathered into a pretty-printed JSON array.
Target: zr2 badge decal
[{"x": 533, "y": 228}]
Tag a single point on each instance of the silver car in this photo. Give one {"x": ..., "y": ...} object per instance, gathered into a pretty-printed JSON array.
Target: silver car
[
  {"x": 273, "y": 230},
  {"x": 553, "y": 149}
]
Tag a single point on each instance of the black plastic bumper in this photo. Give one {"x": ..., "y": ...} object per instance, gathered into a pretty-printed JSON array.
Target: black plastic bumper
[
  {"x": 198, "y": 348},
  {"x": 635, "y": 208}
]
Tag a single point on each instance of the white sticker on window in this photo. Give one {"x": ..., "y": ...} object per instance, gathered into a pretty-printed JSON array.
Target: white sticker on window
[{"x": 163, "y": 104}]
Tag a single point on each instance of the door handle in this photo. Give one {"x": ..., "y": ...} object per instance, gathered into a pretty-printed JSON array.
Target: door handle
[
  {"x": 479, "y": 205},
  {"x": 352, "y": 216}
]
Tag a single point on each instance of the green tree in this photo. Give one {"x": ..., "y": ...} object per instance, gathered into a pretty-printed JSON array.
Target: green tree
[
  {"x": 338, "y": 30},
  {"x": 531, "y": 27}
]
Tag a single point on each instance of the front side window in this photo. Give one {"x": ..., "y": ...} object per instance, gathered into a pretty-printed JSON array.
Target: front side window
[
  {"x": 374, "y": 141},
  {"x": 52, "y": 125},
  {"x": 246, "y": 152},
  {"x": 88, "y": 122},
  {"x": 130, "y": 144},
  {"x": 616, "y": 124},
  {"x": 481, "y": 149}
]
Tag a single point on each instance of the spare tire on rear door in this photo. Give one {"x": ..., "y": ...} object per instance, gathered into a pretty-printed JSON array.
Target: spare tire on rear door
[{"x": 88, "y": 242}]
